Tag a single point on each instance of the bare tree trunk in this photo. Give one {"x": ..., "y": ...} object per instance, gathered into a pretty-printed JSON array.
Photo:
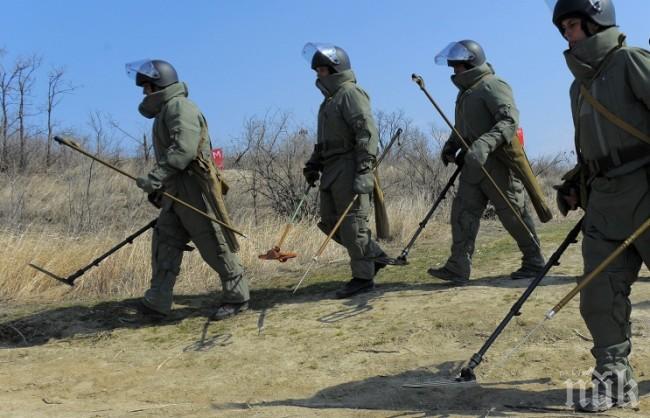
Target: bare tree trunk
[
  {"x": 7, "y": 85},
  {"x": 56, "y": 88},
  {"x": 21, "y": 130},
  {"x": 25, "y": 69}
]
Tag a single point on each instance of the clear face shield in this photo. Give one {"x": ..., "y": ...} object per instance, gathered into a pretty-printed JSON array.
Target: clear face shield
[
  {"x": 144, "y": 67},
  {"x": 455, "y": 51},
  {"x": 551, "y": 4},
  {"x": 328, "y": 50}
]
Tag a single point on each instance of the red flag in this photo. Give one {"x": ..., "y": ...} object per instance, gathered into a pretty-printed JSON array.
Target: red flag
[
  {"x": 520, "y": 136},
  {"x": 217, "y": 156}
]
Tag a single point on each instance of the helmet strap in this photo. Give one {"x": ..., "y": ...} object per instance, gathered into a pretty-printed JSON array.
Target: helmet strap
[{"x": 590, "y": 28}]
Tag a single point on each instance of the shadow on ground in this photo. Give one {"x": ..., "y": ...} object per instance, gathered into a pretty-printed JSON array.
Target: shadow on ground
[
  {"x": 86, "y": 320},
  {"x": 387, "y": 393}
]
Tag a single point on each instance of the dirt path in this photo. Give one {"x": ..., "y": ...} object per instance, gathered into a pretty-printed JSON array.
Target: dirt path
[{"x": 310, "y": 355}]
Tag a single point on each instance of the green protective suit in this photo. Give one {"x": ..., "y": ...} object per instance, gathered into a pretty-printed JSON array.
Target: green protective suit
[
  {"x": 347, "y": 143},
  {"x": 618, "y": 169},
  {"x": 486, "y": 117},
  {"x": 176, "y": 137}
]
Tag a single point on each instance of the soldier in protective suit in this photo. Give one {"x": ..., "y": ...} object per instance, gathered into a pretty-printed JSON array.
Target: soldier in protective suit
[
  {"x": 610, "y": 101},
  {"x": 181, "y": 145},
  {"x": 487, "y": 118},
  {"x": 345, "y": 153}
]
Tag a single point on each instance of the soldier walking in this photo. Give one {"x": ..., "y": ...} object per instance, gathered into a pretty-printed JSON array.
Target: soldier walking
[
  {"x": 486, "y": 117},
  {"x": 610, "y": 102},
  {"x": 182, "y": 147},
  {"x": 345, "y": 154}
]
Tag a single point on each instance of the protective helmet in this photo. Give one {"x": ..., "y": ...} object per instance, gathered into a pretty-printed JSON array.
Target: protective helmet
[
  {"x": 600, "y": 12},
  {"x": 466, "y": 52},
  {"x": 326, "y": 55},
  {"x": 157, "y": 72}
]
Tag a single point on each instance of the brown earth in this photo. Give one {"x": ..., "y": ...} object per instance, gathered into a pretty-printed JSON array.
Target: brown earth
[{"x": 310, "y": 355}]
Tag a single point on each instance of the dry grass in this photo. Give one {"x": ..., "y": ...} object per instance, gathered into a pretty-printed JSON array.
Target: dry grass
[
  {"x": 62, "y": 221},
  {"x": 127, "y": 272}
]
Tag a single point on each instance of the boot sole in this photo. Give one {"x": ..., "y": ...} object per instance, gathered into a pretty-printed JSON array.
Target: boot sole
[
  {"x": 459, "y": 282},
  {"x": 356, "y": 292}
]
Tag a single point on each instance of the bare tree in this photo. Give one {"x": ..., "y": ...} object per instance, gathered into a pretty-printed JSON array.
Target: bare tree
[
  {"x": 100, "y": 135},
  {"x": 388, "y": 123},
  {"x": 412, "y": 167},
  {"x": 553, "y": 165},
  {"x": 7, "y": 85},
  {"x": 56, "y": 89},
  {"x": 25, "y": 70},
  {"x": 272, "y": 155},
  {"x": 144, "y": 144}
]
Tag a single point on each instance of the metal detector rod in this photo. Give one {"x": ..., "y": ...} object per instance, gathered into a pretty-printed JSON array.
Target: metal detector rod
[
  {"x": 606, "y": 262},
  {"x": 302, "y": 200},
  {"x": 287, "y": 227},
  {"x": 77, "y": 148},
  {"x": 52, "y": 275},
  {"x": 420, "y": 82},
  {"x": 401, "y": 259},
  {"x": 336, "y": 228},
  {"x": 347, "y": 209},
  {"x": 467, "y": 373},
  {"x": 71, "y": 278}
]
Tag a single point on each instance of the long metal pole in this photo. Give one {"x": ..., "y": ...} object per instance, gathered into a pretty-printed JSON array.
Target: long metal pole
[
  {"x": 347, "y": 209},
  {"x": 401, "y": 259},
  {"x": 467, "y": 373},
  {"x": 287, "y": 227},
  {"x": 599, "y": 269},
  {"x": 420, "y": 82},
  {"x": 71, "y": 278},
  {"x": 77, "y": 148}
]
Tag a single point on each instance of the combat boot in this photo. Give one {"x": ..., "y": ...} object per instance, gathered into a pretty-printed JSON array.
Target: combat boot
[
  {"x": 381, "y": 261},
  {"x": 613, "y": 380},
  {"x": 157, "y": 302},
  {"x": 447, "y": 275},
  {"x": 597, "y": 400},
  {"x": 526, "y": 272},
  {"x": 354, "y": 287},
  {"x": 608, "y": 393},
  {"x": 150, "y": 313},
  {"x": 226, "y": 310}
]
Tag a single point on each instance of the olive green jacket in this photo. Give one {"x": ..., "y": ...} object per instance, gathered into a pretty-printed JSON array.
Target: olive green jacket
[
  {"x": 485, "y": 112},
  {"x": 177, "y": 130},
  {"x": 618, "y": 77},
  {"x": 347, "y": 133},
  {"x": 616, "y": 200}
]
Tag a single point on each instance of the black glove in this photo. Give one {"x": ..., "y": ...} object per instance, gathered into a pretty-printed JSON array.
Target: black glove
[
  {"x": 569, "y": 194},
  {"x": 448, "y": 153},
  {"x": 311, "y": 173},
  {"x": 567, "y": 197},
  {"x": 155, "y": 198}
]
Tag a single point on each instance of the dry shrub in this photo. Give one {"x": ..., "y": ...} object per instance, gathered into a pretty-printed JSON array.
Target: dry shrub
[{"x": 64, "y": 217}]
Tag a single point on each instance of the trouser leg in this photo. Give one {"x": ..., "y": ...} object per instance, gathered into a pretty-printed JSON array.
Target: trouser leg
[
  {"x": 526, "y": 239},
  {"x": 466, "y": 211},
  {"x": 212, "y": 246},
  {"x": 606, "y": 308},
  {"x": 167, "y": 245},
  {"x": 353, "y": 232}
]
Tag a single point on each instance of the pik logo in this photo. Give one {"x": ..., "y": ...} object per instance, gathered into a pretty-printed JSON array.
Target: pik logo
[{"x": 610, "y": 388}]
